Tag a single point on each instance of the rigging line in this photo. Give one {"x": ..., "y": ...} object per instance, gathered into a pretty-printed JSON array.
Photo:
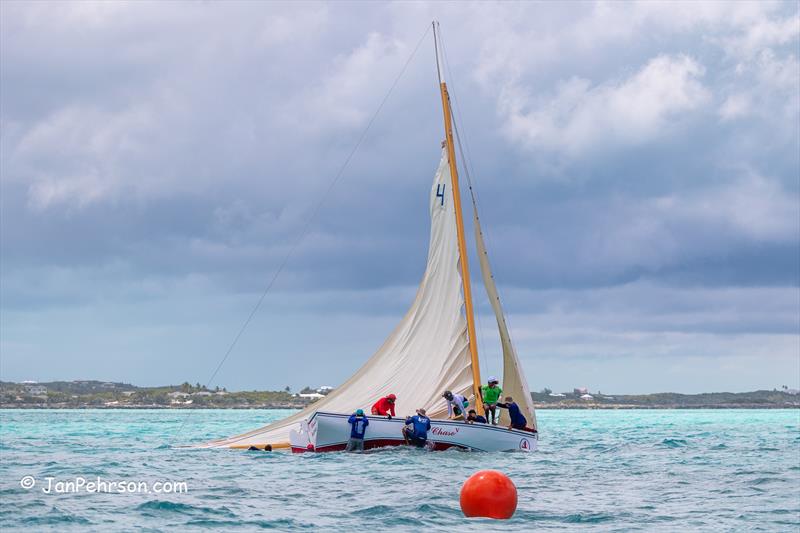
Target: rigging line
[
  {"x": 436, "y": 50},
  {"x": 480, "y": 333},
  {"x": 482, "y": 353},
  {"x": 313, "y": 215},
  {"x": 458, "y": 118},
  {"x": 473, "y": 194},
  {"x": 467, "y": 160}
]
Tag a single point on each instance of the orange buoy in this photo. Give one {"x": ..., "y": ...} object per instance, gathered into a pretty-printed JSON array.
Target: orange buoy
[{"x": 489, "y": 494}]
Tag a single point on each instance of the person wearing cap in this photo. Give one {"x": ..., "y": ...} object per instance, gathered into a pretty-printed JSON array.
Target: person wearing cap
[
  {"x": 416, "y": 429},
  {"x": 491, "y": 395},
  {"x": 358, "y": 426},
  {"x": 474, "y": 418},
  {"x": 385, "y": 406},
  {"x": 518, "y": 420},
  {"x": 456, "y": 405}
]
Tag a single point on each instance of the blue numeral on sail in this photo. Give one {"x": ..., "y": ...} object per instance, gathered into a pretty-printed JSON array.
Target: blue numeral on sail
[{"x": 440, "y": 192}]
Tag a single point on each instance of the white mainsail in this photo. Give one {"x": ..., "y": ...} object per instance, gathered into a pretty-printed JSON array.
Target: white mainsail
[
  {"x": 514, "y": 383},
  {"x": 426, "y": 354}
]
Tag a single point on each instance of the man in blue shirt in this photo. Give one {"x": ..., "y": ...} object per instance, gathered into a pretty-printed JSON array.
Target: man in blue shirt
[
  {"x": 416, "y": 429},
  {"x": 474, "y": 418},
  {"x": 358, "y": 426},
  {"x": 518, "y": 421}
]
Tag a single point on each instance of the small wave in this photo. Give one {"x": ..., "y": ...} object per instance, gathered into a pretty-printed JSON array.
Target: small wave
[
  {"x": 281, "y": 523},
  {"x": 674, "y": 443},
  {"x": 435, "y": 509},
  {"x": 55, "y": 517},
  {"x": 765, "y": 480},
  {"x": 375, "y": 510},
  {"x": 588, "y": 518},
  {"x": 155, "y": 507}
]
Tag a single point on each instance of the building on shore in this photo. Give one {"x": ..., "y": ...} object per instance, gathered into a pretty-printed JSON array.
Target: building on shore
[
  {"x": 311, "y": 395},
  {"x": 34, "y": 389}
]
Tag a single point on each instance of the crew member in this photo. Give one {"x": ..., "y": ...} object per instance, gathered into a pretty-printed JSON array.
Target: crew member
[
  {"x": 385, "y": 406},
  {"x": 416, "y": 429},
  {"x": 473, "y": 417},
  {"x": 518, "y": 421},
  {"x": 358, "y": 426},
  {"x": 456, "y": 405},
  {"x": 491, "y": 395}
]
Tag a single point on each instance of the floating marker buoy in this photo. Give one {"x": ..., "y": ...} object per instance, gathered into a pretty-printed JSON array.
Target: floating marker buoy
[{"x": 489, "y": 494}]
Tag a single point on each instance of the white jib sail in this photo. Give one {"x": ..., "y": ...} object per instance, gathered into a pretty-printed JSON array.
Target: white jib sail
[
  {"x": 426, "y": 354},
  {"x": 514, "y": 383}
]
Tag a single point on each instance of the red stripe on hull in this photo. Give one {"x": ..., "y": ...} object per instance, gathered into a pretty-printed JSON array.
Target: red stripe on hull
[{"x": 370, "y": 444}]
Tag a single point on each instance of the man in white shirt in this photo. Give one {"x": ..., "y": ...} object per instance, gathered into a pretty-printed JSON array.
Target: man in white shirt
[{"x": 456, "y": 405}]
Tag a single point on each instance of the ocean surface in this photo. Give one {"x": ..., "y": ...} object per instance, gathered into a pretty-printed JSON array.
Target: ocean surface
[{"x": 627, "y": 470}]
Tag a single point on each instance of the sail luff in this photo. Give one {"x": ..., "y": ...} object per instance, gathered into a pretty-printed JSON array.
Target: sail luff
[{"x": 462, "y": 248}]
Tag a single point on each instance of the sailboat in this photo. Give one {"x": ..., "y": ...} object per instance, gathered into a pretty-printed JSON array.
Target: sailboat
[{"x": 434, "y": 348}]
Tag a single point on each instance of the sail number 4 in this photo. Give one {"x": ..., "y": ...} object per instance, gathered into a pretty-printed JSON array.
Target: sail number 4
[{"x": 440, "y": 192}]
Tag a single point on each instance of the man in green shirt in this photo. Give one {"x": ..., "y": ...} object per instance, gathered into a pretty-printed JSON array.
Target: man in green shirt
[{"x": 491, "y": 395}]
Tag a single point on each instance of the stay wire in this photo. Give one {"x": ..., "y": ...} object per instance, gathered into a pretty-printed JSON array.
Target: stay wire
[
  {"x": 481, "y": 333},
  {"x": 312, "y": 217},
  {"x": 465, "y": 158}
]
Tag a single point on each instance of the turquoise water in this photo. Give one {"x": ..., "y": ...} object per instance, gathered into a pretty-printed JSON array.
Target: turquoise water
[{"x": 714, "y": 470}]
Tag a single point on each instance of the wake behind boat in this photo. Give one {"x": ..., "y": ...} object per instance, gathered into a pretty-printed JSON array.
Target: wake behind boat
[{"x": 433, "y": 348}]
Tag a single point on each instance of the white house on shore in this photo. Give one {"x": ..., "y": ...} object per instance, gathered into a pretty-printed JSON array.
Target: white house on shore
[
  {"x": 34, "y": 389},
  {"x": 311, "y": 395}
]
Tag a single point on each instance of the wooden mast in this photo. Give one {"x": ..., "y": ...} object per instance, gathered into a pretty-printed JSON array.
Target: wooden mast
[{"x": 462, "y": 243}]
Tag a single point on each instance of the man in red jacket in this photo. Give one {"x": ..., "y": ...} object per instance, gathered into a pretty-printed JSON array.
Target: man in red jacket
[{"x": 384, "y": 406}]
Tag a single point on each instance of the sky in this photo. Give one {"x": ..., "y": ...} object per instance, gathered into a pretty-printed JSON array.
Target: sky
[{"x": 637, "y": 166}]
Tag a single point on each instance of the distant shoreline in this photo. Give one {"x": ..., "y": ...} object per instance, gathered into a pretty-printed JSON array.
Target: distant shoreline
[{"x": 89, "y": 394}]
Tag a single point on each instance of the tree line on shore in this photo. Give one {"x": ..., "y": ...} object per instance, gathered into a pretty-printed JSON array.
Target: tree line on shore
[{"x": 99, "y": 394}]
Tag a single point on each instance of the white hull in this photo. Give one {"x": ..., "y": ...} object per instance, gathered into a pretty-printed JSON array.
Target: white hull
[{"x": 328, "y": 432}]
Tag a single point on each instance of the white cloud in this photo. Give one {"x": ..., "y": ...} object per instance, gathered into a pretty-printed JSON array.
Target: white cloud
[
  {"x": 588, "y": 50},
  {"x": 337, "y": 101},
  {"x": 669, "y": 230},
  {"x": 79, "y": 151},
  {"x": 634, "y": 111},
  {"x": 735, "y": 106},
  {"x": 754, "y": 206},
  {"x": 760, "y": 33}
]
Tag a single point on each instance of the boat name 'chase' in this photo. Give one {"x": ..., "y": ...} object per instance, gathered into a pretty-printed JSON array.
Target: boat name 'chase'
[{"x": 441, "y": 431}]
